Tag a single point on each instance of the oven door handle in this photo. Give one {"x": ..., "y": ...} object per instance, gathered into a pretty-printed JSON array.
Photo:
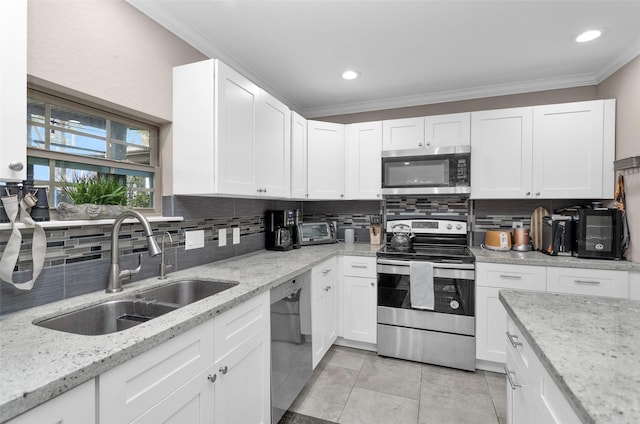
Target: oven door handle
[{"x": 446, "y": 265}]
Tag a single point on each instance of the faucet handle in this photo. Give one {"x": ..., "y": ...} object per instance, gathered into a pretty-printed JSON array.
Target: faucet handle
[{"x": 126, "y": 274}]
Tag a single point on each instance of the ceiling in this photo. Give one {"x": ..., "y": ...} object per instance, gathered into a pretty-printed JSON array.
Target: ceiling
[{"x": 407, "y": 52}]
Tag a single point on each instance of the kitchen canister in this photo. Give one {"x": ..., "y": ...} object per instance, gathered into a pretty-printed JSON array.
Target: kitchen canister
[{"x": 349, "y": 235}]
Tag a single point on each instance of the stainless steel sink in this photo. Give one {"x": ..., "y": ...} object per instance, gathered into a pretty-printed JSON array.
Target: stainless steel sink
[
  {"x": 184, "y": 292},
  {"x": 118, "y": 315},
  {"x": 108, "y": 317}
]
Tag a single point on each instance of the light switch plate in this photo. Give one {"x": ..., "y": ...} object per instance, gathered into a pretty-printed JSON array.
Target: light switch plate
[
  {"x": 236, "y": 235},
  {"x": 516, "y": 224},
  {"x": 193, "y": 239},
  {"x": 222, "y": 237}
]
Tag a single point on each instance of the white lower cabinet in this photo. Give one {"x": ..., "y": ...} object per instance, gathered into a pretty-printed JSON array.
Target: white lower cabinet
[
  {"x": 532, "y": 397},
  {"x": 324, "y": 311},
  {"x": 360, "y": 296},
  {"x": 186, "y": 380},
  {"x": 243, "y": 363},
  {"x": 596, "y": 282},
  {"x": 490, "y": 314},
  {"x": 77, "y": 406}
]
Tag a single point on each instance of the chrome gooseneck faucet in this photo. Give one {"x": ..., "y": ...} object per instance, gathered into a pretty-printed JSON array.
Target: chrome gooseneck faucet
[{"x": 116, "y": 277}]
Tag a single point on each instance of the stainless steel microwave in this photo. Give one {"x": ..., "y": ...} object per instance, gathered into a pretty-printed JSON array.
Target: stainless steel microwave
[{"x": 435, "y": 170}]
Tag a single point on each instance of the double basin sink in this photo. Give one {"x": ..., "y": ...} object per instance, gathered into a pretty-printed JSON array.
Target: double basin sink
[{"x": 117, "y": 315}]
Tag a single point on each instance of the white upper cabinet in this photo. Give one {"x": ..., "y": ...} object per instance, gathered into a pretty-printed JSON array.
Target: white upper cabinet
[
  {"x": 236, "y": 102},
  {"x": 431, "y": 131},
  {"x": 405, "y": 133},
  {"x": 545, "y": 152},
  {"x": 363, "y": 161},
  {"x": 13, "y": 90},
  {"x": 273, "y": 147},
  {"x": 298, "y": 157},
  {"x": 447, "y": 130},
  {"x": 325, "y": 165},
  {"x": 573, "y": 150},
  {"x": 501, "y": 153},
  {"x": 229, "y": 136}
]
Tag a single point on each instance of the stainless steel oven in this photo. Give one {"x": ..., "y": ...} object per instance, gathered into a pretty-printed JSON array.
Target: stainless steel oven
[{"x": 441, "y": 331}]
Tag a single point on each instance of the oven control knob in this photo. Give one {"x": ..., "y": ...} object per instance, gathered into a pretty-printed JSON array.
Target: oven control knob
[
  {"x": 458, "y": 226},
  {"x": 454, "y": 304},
  {"x": 449, "y": 226}
]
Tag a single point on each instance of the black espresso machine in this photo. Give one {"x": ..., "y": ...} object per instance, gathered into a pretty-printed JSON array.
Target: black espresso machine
[{"x": 281, "y": 229}]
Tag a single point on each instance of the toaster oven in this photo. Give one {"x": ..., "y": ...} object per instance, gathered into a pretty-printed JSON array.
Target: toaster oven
[{"x": 317, "y": 233}]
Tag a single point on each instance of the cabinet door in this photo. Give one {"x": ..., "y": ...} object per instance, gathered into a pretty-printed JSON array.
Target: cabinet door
[
  {"x": 324, "y": 312},
  {"x": 325, "y": 151},
  {"x": 501, "y": 149},
  {"x": 237, "y": 99},
  {"x": 243, "y": 386},
  {"x": 405, "y": 133},
  {"x": 273, "y": 147},
  {"x": 77, "y": 406},
  {"x": 192, "y": 403},
  {"x": 568, "y": 143},
  {"x": 491, "y": 324},
  {"x": 363, "y": 161},
  {"x": 298, "y": 157},
  {"x": 447, "y": 130},
  {"x": 13, "y": 90},
  {"x": 194, "y": 154},
  {"x": 360, "y": 309},
  {"x": 136, "y": 386}
]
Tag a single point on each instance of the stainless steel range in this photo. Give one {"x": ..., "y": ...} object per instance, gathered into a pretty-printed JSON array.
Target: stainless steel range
[{"x": 426, "y": 294}]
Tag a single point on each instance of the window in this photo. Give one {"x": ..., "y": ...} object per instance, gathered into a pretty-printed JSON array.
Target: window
[{"x": 68, "y": 140}]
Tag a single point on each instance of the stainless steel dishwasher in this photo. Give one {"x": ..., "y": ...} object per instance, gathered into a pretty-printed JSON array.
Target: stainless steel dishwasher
[{"x": 291, "y": 355}]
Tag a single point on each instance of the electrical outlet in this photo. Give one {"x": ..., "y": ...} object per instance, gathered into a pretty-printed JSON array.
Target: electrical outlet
[
  {"x": 236, "y": 235},
  {"x": 517, "y": 224},
  {"x": 193, "y": 239},
  {"x": 222, "y": 237}
]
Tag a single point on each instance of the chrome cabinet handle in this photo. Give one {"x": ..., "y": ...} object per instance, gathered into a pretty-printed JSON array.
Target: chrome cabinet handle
[
  {"x": 427, "y": 144},
  {"x": 223, "y": 370},
  {"x": 537, "y": 193},
  {"x": 595, "y": 283},
  {"x": 326, "y": 271},
  {"x": 528, "y": 193},
  {"x": 513, "y": 339},
  {"x": 512, "y": 383},
  {"x": 419, "y": 144},
  {"x": 373, "y": 284},
  {"x": 327, "y": 288},
  {"x": 511, "y": 277},
  {"x": 212, "y": 377},
  {"x": 359, "y": 266},
  {"x": 16, "y": 166}
]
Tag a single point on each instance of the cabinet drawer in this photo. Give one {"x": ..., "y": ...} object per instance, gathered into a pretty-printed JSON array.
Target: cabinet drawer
[
  {"x": 359, "y": 266},
  {"x": 525, "y": 277},
  {"x": 133, "y": 387},
  {"x": 235, "y": 326},
  {"x": 597, "y": 282}
]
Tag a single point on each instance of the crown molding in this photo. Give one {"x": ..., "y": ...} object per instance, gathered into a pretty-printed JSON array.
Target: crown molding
[
  {"x": 621, "y": 59},
  {"x": 569, "y": 81}
]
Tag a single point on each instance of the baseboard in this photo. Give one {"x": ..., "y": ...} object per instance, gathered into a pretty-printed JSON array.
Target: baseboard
[
  {"x": 372, "y": 347},
  {"x": 498, "y": 367}
]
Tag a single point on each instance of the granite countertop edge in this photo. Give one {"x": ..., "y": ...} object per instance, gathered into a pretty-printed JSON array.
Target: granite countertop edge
[
  {"x": 64, "y": 361},
  {"x": 540, "y": 259}
]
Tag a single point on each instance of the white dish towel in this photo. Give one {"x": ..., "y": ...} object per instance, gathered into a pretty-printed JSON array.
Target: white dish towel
[{"x": 421, "y": 285}]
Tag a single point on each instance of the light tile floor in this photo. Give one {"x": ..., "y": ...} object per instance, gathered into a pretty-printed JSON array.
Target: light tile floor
[{"x": 352, "y": 386}]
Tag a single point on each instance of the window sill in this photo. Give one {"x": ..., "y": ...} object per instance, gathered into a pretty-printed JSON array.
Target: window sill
[{"x": 85, "y": 222}]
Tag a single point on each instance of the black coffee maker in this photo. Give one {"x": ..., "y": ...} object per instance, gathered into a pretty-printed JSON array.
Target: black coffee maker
[{"x": 279, "y": 229}]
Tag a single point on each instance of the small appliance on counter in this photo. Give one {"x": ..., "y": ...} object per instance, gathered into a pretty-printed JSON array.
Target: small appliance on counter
[
  {"x": 600, "y": 234},
  {"x": 317, "y": 233},
  {"x": 521, "y": 240},
  {"x": 499, "y": 240},
  {"x": 557, "y": 235},
  {"x": 279, "y": 230}
]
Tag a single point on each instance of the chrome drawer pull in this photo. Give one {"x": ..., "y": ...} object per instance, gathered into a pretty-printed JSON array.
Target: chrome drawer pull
[
  {"x": 514, "y": 340},
  {"x": 326, "y": 271},
  {"x": 512, "y": 383},
  {"x": 359, "y": 266},
  {"x": 586, "y": 282},
  {"x": 511, "y": 277}
]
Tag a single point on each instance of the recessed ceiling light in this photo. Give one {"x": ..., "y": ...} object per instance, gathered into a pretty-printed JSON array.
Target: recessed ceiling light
[
  {"x": 590, "y": 35},
  {"x": 350, "y": 75}
]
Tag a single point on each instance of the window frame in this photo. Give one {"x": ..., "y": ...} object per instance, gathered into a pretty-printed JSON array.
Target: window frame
[{"x": 46, "y": 96}]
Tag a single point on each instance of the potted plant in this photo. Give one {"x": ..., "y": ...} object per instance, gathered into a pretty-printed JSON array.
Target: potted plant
[{"x": 93, "y": 197}]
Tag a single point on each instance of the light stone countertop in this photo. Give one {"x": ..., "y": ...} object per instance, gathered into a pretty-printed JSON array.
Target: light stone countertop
[
  {"x": 37, "y": 364},
  {"x": 589, "y": 345},
  {"x": 540, "y": 259}
]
